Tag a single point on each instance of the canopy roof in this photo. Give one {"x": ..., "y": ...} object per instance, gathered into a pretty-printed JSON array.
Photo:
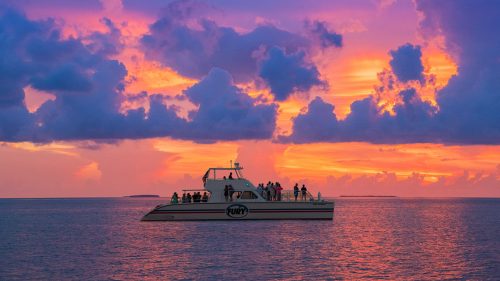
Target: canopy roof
[{"x": 237, "y": 171}]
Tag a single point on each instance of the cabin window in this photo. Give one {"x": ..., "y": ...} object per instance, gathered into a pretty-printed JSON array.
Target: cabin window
[
  {"x": 236, "y": 195},
  {"x": 248, "y": 195}
]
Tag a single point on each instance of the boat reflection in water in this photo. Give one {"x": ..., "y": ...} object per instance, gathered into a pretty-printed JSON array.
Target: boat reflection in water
[{"x": 241, "y": 202}]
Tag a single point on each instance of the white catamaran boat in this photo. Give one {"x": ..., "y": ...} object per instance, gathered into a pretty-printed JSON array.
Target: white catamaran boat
[{"x": 244, "y": 202}]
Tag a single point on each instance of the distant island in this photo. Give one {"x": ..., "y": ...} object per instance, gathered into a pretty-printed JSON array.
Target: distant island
[
  {"x": 368, "y": 196},
  {"x": 143, "y": 196}
]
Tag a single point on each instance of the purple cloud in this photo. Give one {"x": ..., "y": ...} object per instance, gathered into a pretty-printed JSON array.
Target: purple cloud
[
  {"x": 194, "y": 52},
  {"x": 225, "y": 112},
  {"x": 319, "y": 123},
  {"x": 265, "y": 51},
  {"x": 287, "y": 73},
  {"x": 366, "y": 122},
  {"x": 108, "y": 43},
  {"x": 67, "y": 77},
  {"x": 470, "y": 103},
  {"x": 89, "y": 89},
  {"x": 15, "y": 73},
  {"x": 88, "y": 5},
  {"x": 468, "y": 108},
  {"x": 326, "y": 38},
  {"x": 406, "y": 63},
  {"x": 89, "y": 86}
]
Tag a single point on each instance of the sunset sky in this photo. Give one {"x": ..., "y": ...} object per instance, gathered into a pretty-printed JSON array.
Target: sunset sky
[{"x": 363, "y": 97}]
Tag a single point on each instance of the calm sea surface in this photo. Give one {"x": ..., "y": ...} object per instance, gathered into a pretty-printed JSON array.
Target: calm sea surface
[{"x": 393, "y": 239}]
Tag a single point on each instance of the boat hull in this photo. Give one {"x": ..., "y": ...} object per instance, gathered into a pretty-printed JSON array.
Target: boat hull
[{"x": 242, "y": 211}]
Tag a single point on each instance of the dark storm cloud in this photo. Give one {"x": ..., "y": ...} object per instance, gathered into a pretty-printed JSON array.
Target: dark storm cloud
[
  {"x": 67, "y": 77},
  {"x": 194, "y": 52},
  {"x": 225, "y": 112},
  {"x": 325, "y": 37},
  {"x": 15, "y": 30},
  {"x": 184, "y": 39},
  {"x": 89, "y": 89},
  {"x": 91, "y": 114},
  {"x": 108, "y": 43},
  {"x": 318, "y": 124},
  {"x": 468, "y": 108},
  {"x": 16, "y": 123},
  {"x": 86, "y": 84},
  {"x": 87, "y": 5},
  {"x": 411, "y": 122},
  {"x": 287, "y": 73},
  {"x": 470, "y": 103},
  {"x": 14, "y": 73},
  {"x": 406, "y": 63}
]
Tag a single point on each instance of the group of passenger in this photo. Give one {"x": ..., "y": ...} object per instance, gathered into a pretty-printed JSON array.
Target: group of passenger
[
  {"x": 303, "y": 192},
  {"x": 271, "y": 191},
  {"x": 188, "y": 198}
]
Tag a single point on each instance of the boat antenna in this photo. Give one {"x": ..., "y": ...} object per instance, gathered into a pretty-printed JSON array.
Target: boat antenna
[{"x": 231, "y": 163}]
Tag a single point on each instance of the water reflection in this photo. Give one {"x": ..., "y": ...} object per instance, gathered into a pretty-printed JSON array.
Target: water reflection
[{"x": 393, "y": 239}]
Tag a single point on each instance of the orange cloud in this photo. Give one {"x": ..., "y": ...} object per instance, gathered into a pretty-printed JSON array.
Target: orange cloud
[
  {"x": 429, "y": 160},
  {"x": 440, "y": 64},
  {"x": 89, "y": 172},
  {"x": 186, "y": 157},
  {"x": 352, "y": 78},
  {"x": 54, "y": 147}
]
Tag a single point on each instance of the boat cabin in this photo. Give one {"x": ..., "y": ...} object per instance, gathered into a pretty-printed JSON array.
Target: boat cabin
[{"x": 216, "y": 179}]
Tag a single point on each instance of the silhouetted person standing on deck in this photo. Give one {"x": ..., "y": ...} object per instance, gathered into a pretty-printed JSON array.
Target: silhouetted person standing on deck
[
  {"x": 296, "y": 191},
  {"x": 175, "y": 198},
  {"x": 278, "y": 191},
  {"x": 304, "y": 192},
  {"x": 260, "y": 189},
  {"x": 231, "y": 192},
  {"x": 226, "y": 193}
]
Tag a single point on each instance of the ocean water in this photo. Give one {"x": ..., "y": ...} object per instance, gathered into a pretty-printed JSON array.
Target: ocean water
[{"x": 391, "y": 239}]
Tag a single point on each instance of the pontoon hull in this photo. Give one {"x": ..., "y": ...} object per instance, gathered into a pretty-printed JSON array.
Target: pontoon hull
[{"x": 242, "y": 211}]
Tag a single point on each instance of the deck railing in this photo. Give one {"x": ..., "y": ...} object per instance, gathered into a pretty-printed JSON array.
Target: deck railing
[{"x": 288, "y": 196}]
